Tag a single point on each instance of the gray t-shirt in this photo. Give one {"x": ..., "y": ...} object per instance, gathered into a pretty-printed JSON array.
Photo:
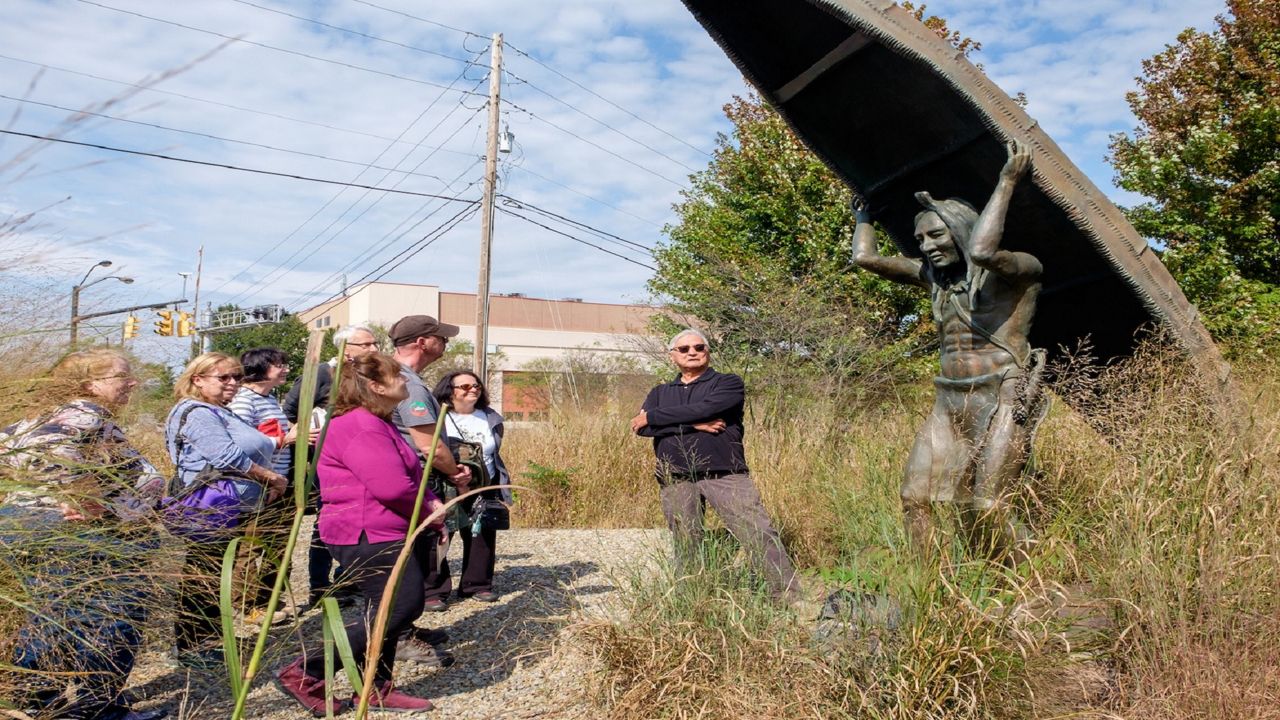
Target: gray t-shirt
[{"x": 419, "y": 409}]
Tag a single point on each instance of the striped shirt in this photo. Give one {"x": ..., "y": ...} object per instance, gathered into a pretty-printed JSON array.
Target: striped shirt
[{"x": 259, "y": 410}]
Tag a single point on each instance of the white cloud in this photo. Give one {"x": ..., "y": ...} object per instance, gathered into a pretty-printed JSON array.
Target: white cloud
[{"x": 1073, "y": 60}]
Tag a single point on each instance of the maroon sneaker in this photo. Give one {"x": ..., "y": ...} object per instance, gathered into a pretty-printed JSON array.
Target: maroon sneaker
[
  {"x": 308, "y": 691},
  {"x": 386, "y": 697}
]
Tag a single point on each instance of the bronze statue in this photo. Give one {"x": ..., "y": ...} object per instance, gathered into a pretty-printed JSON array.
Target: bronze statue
[{"x": 975, "y": 442}]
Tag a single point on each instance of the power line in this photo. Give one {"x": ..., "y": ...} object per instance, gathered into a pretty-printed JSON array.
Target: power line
[
  {"x": 227, "y": 166},
  {"x": 386, "y": 240},
  {"x": 592, "y": 198},
  {"x": 592, "y": 143},
  {"x": 607, "y": 100},
  {"x": 576, "y": 239},
  {"x": 463, "y": 215},
  {"x": 354, "y": 32},
  {"x": 312, "y": 250},
  {"x": 211, "y": 137},
  {"x": 422, "y": 19},
  {"x": 586, "y": 114},
  {"x": 207, "y": 101},
  {"x": 603, "y": 234},
  {"x": 270, "y": 47},
  {"x": 358, "y": 175}
]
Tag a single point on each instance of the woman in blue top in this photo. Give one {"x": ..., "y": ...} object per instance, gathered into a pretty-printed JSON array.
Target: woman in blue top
[{"x": 202, "y": 433}]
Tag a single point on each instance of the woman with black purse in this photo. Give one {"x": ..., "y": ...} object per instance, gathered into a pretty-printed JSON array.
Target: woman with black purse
[{"x": 474, "y": 431}]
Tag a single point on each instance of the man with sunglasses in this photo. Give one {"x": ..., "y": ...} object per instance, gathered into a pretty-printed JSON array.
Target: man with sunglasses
[{"x": 696, "y": 425}]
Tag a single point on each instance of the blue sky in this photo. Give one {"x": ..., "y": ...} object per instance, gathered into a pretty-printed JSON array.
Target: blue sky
[{"x": 275, "y": 240}]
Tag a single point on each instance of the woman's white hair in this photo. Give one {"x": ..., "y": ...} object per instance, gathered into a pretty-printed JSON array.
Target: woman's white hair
[
  {"x": 344, "y": 333},
  {"x": 675, "y": 339}
]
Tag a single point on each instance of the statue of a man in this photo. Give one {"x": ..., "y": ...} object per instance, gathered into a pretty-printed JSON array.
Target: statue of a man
[{"x": 974, "y": 444}]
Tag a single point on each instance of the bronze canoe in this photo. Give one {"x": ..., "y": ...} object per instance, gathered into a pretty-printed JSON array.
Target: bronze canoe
[{"x": 892, "y": 109}]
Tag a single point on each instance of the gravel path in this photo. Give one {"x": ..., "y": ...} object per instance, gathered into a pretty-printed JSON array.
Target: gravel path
[{"x": 509, "y": 663}]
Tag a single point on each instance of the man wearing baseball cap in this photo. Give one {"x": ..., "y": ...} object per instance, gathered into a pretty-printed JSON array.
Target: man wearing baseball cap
[{"x": 420, "y": 340}]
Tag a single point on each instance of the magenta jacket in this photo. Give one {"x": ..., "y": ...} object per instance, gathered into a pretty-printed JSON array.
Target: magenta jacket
[{"x": 369, "y": 480}]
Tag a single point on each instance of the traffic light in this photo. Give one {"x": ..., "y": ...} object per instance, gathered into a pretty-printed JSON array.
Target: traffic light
[
  {"x": 164, "y": 326},
  {"x": 131, "y": 324},
  {"x": 186, "y": 325}
]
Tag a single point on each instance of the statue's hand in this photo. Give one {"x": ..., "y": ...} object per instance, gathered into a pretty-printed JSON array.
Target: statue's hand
[
  {"x": 858, "y": 205},
  {"x": 1018, "y": 163}
]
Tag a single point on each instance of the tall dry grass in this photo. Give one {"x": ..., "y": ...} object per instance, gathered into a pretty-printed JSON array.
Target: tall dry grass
[{"x": 1154, "y": 589}]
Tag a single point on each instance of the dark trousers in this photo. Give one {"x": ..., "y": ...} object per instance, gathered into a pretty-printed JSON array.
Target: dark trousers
[
  {"x": 737, "y": 501},
  {"x": 198, "y": 625},
  {"x": 88, "y": 595},
  {"x": 369, "y": 565},
  {"x": 479, "y": 554}
]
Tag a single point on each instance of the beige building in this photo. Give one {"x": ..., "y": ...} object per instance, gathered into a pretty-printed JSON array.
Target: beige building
[{"x": 522, "y": 329}]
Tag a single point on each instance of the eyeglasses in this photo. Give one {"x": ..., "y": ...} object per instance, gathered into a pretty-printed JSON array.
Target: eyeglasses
[
  {"x": 371, "y": 343},
  {"x": 121, "y": 376},
  {"x": 226, "y": 377},
  {"x": 468, "y": 387},
  {"x": 685, "y": 348}
]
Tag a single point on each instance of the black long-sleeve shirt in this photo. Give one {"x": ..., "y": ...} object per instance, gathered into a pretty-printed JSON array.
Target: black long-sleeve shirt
[
  {"x": 324, "y": 381},
  {"x": 672, "y": 409}
]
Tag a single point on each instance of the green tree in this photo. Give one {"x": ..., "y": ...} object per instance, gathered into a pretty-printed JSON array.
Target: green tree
[
  {"x": 760, "y": 256},
  {"x": 290, "y": 335},
  {"x": 1206, "y": 152}
]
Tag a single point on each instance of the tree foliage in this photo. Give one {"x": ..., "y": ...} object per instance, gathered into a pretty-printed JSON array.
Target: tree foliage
[
  {"x": 289, "y": 335},
  {"x": 761, "y": 252},
  {"x": 1206, "y": 152}
]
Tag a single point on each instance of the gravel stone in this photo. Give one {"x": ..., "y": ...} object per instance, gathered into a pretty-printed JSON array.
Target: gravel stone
[{"x": 513, "y": 659}]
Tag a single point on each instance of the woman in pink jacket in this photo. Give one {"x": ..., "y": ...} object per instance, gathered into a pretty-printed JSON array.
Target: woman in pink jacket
[{"x": 369, "y": 479}]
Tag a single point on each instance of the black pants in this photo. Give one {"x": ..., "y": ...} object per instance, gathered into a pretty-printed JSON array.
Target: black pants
[
  {"x": 369, "y": 565},
  {"x": 198, "y": 625},
  {"x": 478, "y": 558}
]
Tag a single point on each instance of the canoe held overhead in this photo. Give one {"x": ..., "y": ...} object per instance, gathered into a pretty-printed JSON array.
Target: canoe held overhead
[{"x": 893, "y": 109}]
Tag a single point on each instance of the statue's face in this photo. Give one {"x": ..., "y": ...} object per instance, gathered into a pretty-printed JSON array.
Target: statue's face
[{"x": 936, "y": 243}]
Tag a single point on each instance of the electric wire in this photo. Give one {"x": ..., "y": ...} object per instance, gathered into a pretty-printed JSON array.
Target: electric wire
[
  {"x": 298, "y": 53},
  {"x": 593, "y": 93},
  {"x": 421, "y": 19},
  {"x": 461, "y": 216},
  {"x": 387, "y": 239},
  {"x": 227, "y": 166},
  {"x": 592, "y": 143},
  {"x": 575, "y": 238},
  {"x": 207, "y": 101},
  {"x": 278, "y": 273},
  {"x": 604, "y": 234},
  {"x": 588, "y": 115},
  {"x": 338, "y": 194},
  {"x": 354, "y": 32},
  {"x": 209, "y": 136}
]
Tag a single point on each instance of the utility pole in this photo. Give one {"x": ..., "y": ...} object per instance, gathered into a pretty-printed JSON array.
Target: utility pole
[
  {"x": 486, "y": 210},
  {"x": 195, "y": 303}
]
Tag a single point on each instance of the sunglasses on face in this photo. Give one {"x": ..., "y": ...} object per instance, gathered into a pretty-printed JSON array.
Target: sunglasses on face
[
  {"x": 468, "y": 387},
  {"x": 685, "y": 348},
  {"x": 226, "y": 377}
]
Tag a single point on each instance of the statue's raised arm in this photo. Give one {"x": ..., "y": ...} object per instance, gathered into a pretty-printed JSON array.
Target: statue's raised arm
[
  {"x": 984, "y": 250},
  {"x": 866, "y": 254}
]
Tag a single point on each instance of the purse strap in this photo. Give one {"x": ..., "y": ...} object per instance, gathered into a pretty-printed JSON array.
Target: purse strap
[{"x": 175, "y": 487}]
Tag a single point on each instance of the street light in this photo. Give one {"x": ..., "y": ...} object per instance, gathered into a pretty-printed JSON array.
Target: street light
[{"x": 75, "y": 295}]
